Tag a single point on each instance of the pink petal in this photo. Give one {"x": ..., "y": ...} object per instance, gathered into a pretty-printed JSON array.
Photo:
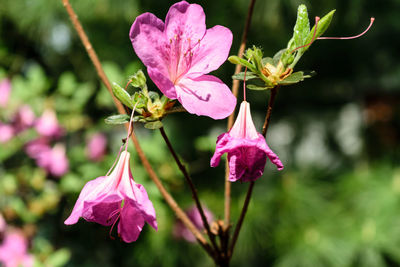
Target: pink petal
[
  {"x": 130, "y": 224},
  {"x": 104, "y": 210},
  {"x": 185, "y": 20},
  {"x": 6, "y": 132},
  {"x": 206, "y": 95},
  {"x": 244, "y": 126},
  {"x": 96, "y": 148},
  {"x": 149, "y": 42},
  {"x": 212, "y": 50},
  {"x": 145, "y": 205},
  {"x": 163, "y": 83},
  {"x": 270, "y": 154}
]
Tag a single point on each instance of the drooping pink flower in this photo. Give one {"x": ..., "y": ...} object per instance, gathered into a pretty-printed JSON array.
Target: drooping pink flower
[
  {"x": 23, "y": 119},
  {"x": 6, "y": 132},
  {"x": 106, "y": 199},
  {"x": 247, "y": 149},
  {"x": 181, "y": 232},
  {"x": 179, "y": 54},
  {"x": 5, "y": 90},
  {"x": 96, "y": 148},
  {"x": 47, "y": 124},
  {"x": 14, "y": 250}
]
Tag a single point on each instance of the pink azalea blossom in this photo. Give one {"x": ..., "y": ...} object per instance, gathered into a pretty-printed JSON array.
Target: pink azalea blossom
[
  {"x": 23, "y": 119},
  {"x": 6, "y": 132},
  {"x": 106, "y": 199},
  {"x": 5, "y": 90},
  {"x": 246, "y": 148},
  {"x": 180, "y": 230},
  {"x": 13, "y": 250},
  {"x": 96, "y": 148},
  {"x": 47, "y": 124},
  {"x": 179, "y": 54}
]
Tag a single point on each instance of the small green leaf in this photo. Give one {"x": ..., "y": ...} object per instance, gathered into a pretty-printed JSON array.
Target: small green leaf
[
  {"x": 266, "y": 60},
  {"x": 296, "y": 77},
  {"x": 323, "y": 25},
  {"x": 138, "y": 79},
  {"x": 153, "y": 125},
  {"x": 249, "y": 76},
  {"x": 258, "y": 88},
  {"x": 241, "y": 61},
  {"x": 302, "y": 27},
  {"x": 117, "y": 119},
  {"x": 122, "y": 95},
  {"x": 277, "y": 57}
]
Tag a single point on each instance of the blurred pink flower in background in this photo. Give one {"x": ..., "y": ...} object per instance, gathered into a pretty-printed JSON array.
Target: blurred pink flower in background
[
  {"x": 47, "y": 124},
  {"x": 181, "y": 232},
  {"x": 5, "y": 90},
  {"x": 107, "y": 199},
  {"x": 6, "y": 132},
  {"x": 14, "y": 250},
  {"x": 2, "y": 224},
  {"x": 96, "y": 148},
  {"x": 23, "y": 119}
]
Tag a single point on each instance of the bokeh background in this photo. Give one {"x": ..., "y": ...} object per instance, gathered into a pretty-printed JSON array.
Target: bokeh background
[{"x": 336, "y": 203}]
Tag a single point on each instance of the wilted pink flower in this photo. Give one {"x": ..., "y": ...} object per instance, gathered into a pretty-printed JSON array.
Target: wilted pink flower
[
  {"x": 53, "y": 160},
  {"x": 6, "y": 132},
  {"x": 13, "y": 250},
  {"x": 247, "y": 149},
  {"x": 180, "y": 52},
  {"x": 180, "y": 230},
  {"x": 47, "y": 124},
  {"x": 106, "y": 199},
  {"x": 5, "y": 90},
  {"x": 96, "y": 148},
  {"x": 23, "y": 119}
]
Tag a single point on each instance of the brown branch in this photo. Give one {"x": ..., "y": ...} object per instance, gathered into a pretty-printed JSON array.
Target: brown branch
[
  {"x": 235, "y": 89},
  {"x": 246, "y": 203},
  {"x": 153, "y": 176},
  {"x": 192, "y": 188}
]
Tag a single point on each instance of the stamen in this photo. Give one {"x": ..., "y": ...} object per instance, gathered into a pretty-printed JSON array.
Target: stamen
[
  {"x": 350, "y": 37},
  {"x": 128, "y": 84},
  {"x": 313, "y": 38}
]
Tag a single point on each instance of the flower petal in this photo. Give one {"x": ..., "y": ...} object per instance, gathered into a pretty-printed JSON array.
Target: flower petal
[
  {"x": 212, "y": 50},
  {"x": 162, "y": 82},
  {"x": 103, "y": 211},
  {"x": 270, "y": 154},
  {"x": 149, "y": 42},
  {"x": 131, "y": 223},
  {"x": 185, "y": 20},
  {"x": 206, "y": 95}
]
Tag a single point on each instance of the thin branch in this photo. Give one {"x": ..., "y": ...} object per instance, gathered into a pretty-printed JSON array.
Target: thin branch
[
  {"x": 235, "y": 89},
  {"x": 192, "y": 188},
  {"x": 153, "y": 176},
  {"x": 246, "y": 203}
]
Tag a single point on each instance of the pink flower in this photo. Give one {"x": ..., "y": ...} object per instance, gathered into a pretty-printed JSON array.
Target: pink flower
[
  {"x": 23, "y": 119},
  {"x": 106, "y": 199},
  {"x": 180, "y": 52},
  {"x": 247, "y": 149},
  {"x": 6, "y": 132},
  {"x": 47, "y": 124},
  {"x": 180, "y": 230},
  {"x": 5, "y": 90},
  {"x": 96, "y": 148},
  {"x": 13, "y": 250}
]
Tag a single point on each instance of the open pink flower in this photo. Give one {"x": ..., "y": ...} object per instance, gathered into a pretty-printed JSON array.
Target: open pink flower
[
  {"x": 5, "y": 90},
  {"x": 96, "y": 148},
  {"x": 47, "y": 124},
  {"x": 106, "y": 199},
  {"x": 180, "y": 52},
  {"x": 246, "y": 148},
  {"x": 13, "y": 250},
  {"x": 180, "y": 230}
]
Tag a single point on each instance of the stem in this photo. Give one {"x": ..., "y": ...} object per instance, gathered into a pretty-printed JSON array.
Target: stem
[
  {"x": 246, "y": 203},
  {"x": 153, "y": 176},
  {"x": 235, "y": 89},
  {"x": 192, "y": 188}
]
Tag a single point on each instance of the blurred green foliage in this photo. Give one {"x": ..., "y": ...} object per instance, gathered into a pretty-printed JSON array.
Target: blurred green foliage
[{"x": 336, "y": 203}]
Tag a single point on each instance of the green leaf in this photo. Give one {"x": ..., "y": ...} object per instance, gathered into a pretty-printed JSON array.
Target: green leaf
[
  {"x": 117, "y": 119},
  {"x": 154, "y": 125},
  {"x": 58, "y": 258},
  {"x": 302, "y": 27},
  {"x": 249, "y": 76},
  {"x": 138, "y": 79},
  {"x": 266, "y": 60},
  {"x": 323, "y": 25},
  {"x": 277, "y": 57},
  {"x": 122, "y": 95},
  {"x": 296, "y": 77},
  {"x": 258, "y": 88},
  {"x": 241, "y": 61}
]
